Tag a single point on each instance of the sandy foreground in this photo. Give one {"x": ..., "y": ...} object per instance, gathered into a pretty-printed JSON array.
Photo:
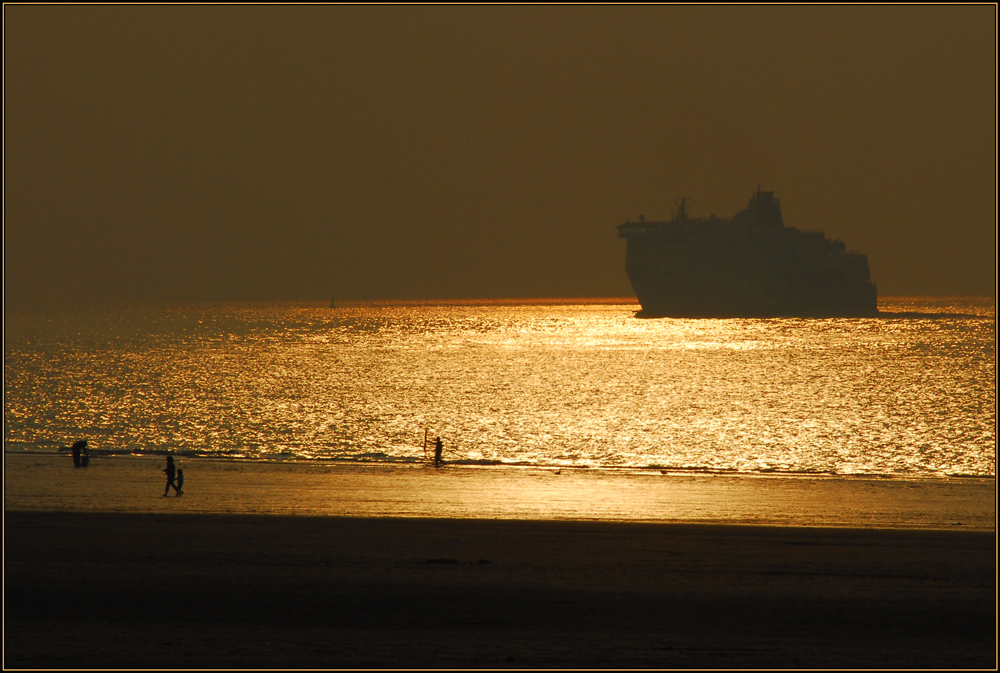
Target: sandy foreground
[{"x": 101, "y": 571}]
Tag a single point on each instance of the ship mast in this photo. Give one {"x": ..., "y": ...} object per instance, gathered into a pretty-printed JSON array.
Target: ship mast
[{"x": 682, "y": 208}]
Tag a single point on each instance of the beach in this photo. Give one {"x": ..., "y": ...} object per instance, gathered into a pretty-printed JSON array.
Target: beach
[{"x": 107, "y": 573}]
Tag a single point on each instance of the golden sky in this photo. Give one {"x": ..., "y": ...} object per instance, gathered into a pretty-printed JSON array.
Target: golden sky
[{"x": 269, "y": 152}]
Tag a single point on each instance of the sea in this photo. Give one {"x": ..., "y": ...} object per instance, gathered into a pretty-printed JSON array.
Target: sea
[{"x": 572, "y": 383}]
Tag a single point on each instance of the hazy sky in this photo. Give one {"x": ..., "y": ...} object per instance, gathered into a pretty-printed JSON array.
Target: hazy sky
[{"x": 266, "y": 152}]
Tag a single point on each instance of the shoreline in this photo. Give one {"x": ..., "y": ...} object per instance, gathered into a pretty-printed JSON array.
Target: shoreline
[
  {"x": 40, "y": 482},
  {"x": 63, "y": 453}
]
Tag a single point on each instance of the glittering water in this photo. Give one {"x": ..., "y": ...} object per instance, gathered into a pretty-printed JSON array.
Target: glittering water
[{"x": 531, "y": 383}]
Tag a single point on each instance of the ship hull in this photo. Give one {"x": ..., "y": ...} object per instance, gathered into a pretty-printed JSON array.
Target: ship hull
[{"x": 702, "y": 282}]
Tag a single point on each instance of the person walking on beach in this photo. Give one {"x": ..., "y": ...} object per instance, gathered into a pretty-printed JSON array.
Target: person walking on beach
[
  {"x": 180, "y": 482},
  {"x": 171, "y": 476},
  {"x": 438, "y": 448}
]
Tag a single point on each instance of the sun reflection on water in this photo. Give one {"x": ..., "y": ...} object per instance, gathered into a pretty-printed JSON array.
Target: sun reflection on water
[{"x": 550, "y": 384}]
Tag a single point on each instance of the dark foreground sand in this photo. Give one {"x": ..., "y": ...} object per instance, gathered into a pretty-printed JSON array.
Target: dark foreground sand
[{"x": 101, "y": 590}]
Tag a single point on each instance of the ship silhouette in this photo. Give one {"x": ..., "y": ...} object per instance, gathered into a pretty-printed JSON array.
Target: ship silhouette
[{"x": 749, "y": 266}]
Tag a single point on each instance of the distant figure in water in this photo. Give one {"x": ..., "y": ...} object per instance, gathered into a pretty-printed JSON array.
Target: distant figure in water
[
  {"x": 171, "y": 476},
  {"x": 81, "y": 458},
  {"x": 180, "y": 482},
  {"x": 438, "y": 448}
]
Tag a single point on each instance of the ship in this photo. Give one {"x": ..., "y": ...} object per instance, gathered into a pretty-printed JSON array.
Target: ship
[{"x": 749, "y": 266}]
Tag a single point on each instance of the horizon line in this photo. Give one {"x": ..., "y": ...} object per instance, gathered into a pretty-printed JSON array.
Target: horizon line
[{"x": 439, "y": 301}]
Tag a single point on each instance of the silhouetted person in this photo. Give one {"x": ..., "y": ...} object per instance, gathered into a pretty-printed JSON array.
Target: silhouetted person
[
  {"x": 180, "y": 482},
  {"x": 438, "y": 448},
  {"x": 81, "y": 458},
  {"x": 171, "y": 476}
]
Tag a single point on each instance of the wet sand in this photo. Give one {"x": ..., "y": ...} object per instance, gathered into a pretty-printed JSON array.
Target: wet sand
[
  {"x": 162, "y": 587},
  {"x": 41, "y": 482}
]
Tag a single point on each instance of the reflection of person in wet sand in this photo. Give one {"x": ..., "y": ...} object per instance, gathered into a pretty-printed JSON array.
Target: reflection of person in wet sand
[
  {"x": 438, "y": 448},
  {"x": 171, "y": 476}
]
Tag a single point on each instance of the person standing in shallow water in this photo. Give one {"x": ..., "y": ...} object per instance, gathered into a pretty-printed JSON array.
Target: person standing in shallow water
[
  {"x": 438, "y": 448},
  {"x": 81, "y": 456},
  {"x": 171, "y": 476}
]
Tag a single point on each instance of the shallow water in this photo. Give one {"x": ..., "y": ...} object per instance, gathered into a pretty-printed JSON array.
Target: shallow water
[{"x": 560, "y": 384}]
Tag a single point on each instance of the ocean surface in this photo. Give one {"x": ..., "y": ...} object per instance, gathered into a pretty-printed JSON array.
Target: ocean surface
[{"x": 572, "y": 383}]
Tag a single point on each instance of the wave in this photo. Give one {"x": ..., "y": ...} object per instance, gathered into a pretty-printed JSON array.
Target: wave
[{"x": 376, "y": 458}]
